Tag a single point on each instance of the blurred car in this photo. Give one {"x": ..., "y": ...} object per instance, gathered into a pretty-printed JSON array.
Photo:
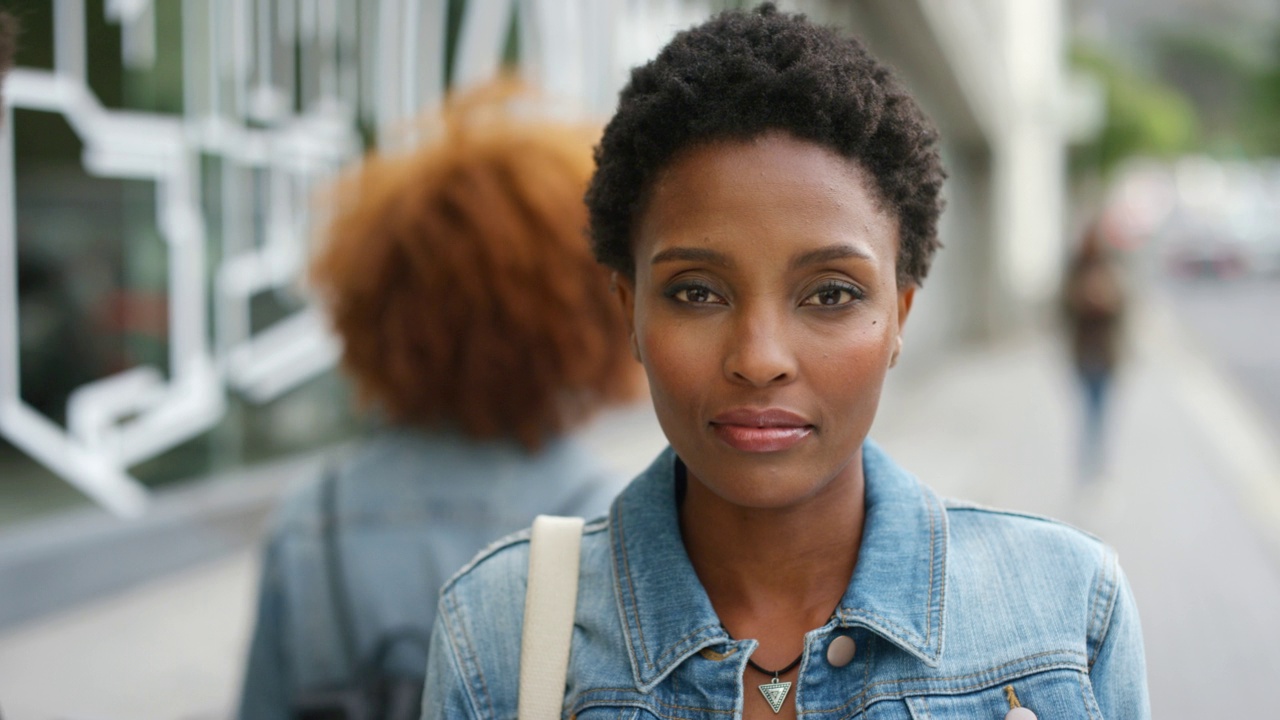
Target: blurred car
[{"x": 1208, "y": 259}]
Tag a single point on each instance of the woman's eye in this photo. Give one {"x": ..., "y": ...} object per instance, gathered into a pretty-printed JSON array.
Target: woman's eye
[
  {"x": 833, "y": 296},
  {"x": 694, "y": 295}
]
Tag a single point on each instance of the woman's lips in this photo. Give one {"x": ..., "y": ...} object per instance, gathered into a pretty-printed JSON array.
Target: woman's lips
[
  {"x": 761, "y": 440},
  {"x": 761, "y": 431}
]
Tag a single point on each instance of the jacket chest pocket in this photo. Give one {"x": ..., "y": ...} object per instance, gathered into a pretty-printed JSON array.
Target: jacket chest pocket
[
  {"x": 1052, "y": 695},
  {"x": 613, "y": 712}
]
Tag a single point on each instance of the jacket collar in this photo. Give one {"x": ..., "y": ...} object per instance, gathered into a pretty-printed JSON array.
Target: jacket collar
[{"x": 897, "y": 590}]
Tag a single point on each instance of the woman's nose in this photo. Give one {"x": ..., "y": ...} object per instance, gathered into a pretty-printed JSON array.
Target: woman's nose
[{"x": 758, "y": 352}]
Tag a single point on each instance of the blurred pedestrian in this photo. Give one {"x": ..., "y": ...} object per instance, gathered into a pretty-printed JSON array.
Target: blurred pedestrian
[
  {"x": 1094, "y": 304},
  {"x": 478, "y": 327}
]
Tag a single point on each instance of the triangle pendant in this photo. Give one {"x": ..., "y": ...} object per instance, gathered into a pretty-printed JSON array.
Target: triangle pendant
[{"x": 775, "y": 692}]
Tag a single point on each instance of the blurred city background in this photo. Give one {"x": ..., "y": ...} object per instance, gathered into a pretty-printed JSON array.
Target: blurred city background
[{"x": 164, "y": 375}]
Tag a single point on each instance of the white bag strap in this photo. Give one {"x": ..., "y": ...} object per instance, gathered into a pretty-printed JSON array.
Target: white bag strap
[{"x": 549, "y": 604}]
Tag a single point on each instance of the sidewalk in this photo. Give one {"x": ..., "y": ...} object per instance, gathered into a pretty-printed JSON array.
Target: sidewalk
[
  {"x": 1192, "y": 501},
  {"x": 1192, "y": 504}
]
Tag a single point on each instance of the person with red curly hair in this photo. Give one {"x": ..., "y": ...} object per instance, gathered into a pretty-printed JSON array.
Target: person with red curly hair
[{"x": 480, "y": 330}]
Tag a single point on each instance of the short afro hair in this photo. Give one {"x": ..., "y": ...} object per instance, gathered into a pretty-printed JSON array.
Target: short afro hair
[{"x": 742, "y": 74}]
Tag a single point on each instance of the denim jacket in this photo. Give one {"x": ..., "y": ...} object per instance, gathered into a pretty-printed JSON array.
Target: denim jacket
[
  {"x": 411, "y": 508},
  {"x": 949, "y": 605}
]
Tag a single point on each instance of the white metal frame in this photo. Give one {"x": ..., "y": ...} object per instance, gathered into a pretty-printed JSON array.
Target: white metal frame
[{"x": 241, "y": 88}]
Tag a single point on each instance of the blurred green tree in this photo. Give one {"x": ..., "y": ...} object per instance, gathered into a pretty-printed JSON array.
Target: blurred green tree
[
  {"x": 1144, "y": 116},
  {"x": 1216, "y": 75},
  {"x": 1262, "y": 112}
]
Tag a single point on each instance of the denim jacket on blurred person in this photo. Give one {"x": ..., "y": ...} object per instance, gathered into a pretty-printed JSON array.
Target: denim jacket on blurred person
[
  {"x": 411, "y": 508},
  {"x": 949, "y": 606}
]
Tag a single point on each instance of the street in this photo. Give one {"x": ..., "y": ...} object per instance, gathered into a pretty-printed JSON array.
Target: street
[{"x": 1238, "y": 323}]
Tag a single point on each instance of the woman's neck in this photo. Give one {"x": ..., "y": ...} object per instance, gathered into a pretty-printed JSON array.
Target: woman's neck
[{"x": 774, "y": 574}]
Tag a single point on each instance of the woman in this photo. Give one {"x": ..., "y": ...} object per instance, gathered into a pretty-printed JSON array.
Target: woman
[
  {"x": 769, "y": 196},
  {"x": 478, "y": 327},
  {"x": 1094, "y": 302}
]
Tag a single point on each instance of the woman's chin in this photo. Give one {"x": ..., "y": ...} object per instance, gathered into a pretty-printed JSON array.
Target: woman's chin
[{"x": 771, "y": 488}]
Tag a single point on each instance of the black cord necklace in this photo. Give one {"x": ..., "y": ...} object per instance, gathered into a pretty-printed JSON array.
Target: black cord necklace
[
  {"x": 775, "y": 691},
  {"x": 776, "y": 673}
]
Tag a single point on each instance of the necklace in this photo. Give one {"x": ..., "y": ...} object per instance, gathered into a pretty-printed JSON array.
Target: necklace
[{"x": 775, "y": 691}]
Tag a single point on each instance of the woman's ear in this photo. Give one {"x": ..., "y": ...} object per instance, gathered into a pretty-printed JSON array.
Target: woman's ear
[
  {"x": 625, "y": 291},
  {"x": 906, "y": 297}
]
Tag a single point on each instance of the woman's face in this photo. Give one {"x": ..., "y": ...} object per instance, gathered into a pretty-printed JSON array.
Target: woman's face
[{"x": 766, "y": 313}]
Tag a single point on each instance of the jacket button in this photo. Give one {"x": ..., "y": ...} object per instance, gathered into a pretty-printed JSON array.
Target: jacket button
[
  {"x": 841, "y": 651},
  {"x": 1020, "y": 713}
]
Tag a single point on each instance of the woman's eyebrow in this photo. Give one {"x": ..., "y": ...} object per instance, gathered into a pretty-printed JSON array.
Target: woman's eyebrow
[
  {"x": 827, "y": 254},
  {"x": 683, "y": 254}
]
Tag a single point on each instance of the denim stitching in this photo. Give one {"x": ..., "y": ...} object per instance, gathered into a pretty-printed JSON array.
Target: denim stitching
[
  {"x": 954, "y": 505},
  {"x": 634, "y": 706},
  {"x": 873, "y": 699},
  {"x": 921, "y": 643},
  {"x": 1113, "y": 586},
  {"x": 1033, "y": 670},
  {"x": 619, "y": 594},
  {"x": 644, "y": 704},
  {"x": 937, "y": 557},
  {"x": 633, "y": 611},
  {"x": 677, "y": 647},
  {"x": 1098, "y": 612},
  {"x": 866, "y": 672},
  {"x": 997, "y": 668},
  {"x": 942, "y": 575},
  {"x": 928, "y": 603},
  {"x": 911, "y": 638},
  {"x": 995, "y": 682},
  {"x": 515, "y": 538},
  {"x": 1114, "y": 582},
  {"x": 1092, "y": 629},
  {"x": 645, "y": 708},
  {"x": 891, "y": 627},
  {"x": 1085, "y": 699},
  {"x": 465, "y": 643}
]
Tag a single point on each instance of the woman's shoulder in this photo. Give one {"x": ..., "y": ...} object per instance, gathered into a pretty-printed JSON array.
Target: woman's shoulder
[
  {"x": 1018, "y": 580},
  {"x": 480, "y": 618},
  {"x": 492, "y": 585},
  {"x": 1006, "y": 547},
  {"x": 982, "y": 529}
]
